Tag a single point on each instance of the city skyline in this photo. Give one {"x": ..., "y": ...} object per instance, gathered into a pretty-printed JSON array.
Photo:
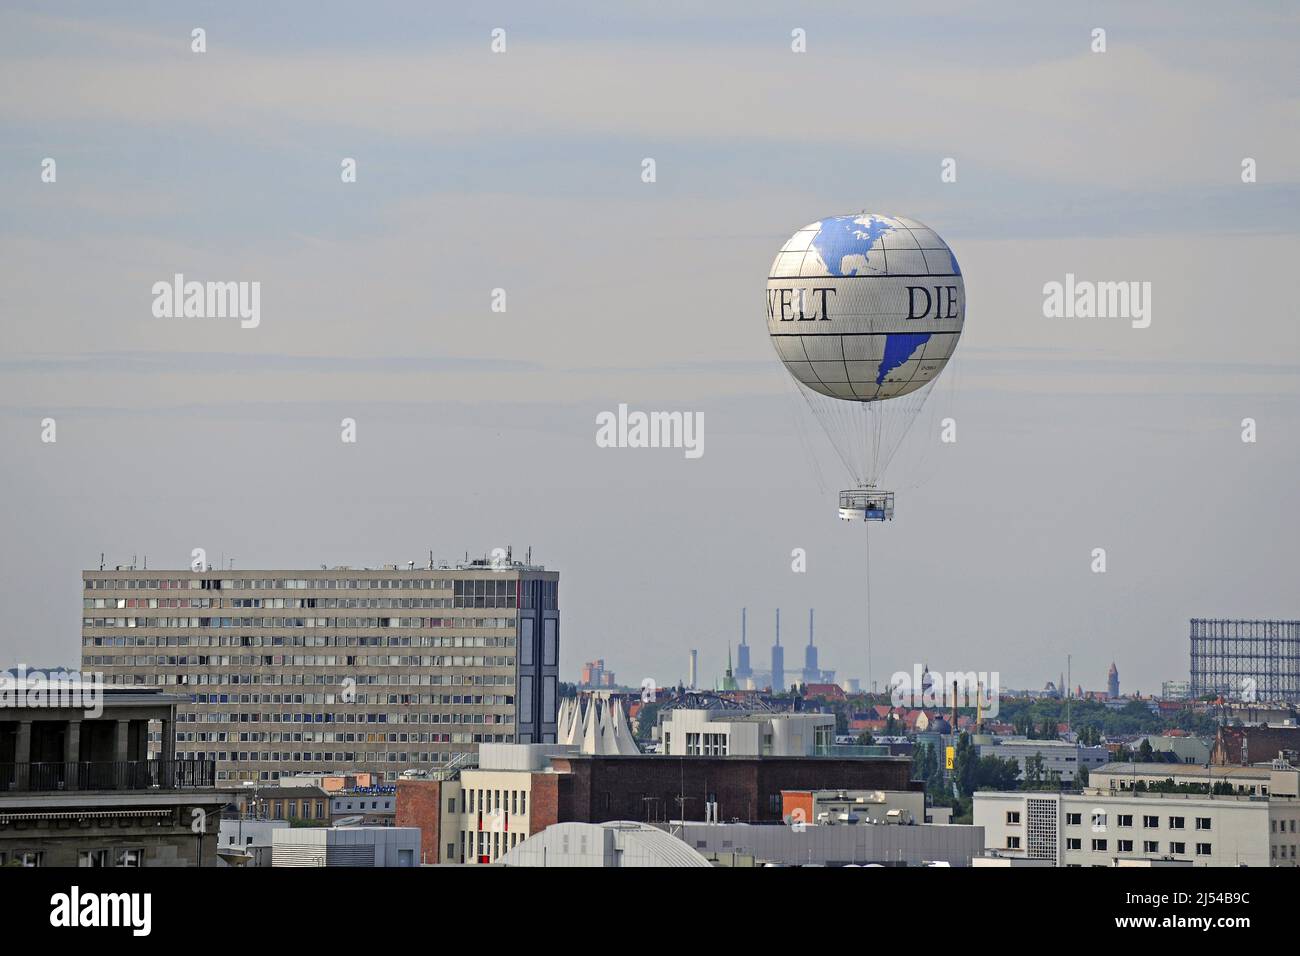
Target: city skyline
[{"x": 476, "y": 429}]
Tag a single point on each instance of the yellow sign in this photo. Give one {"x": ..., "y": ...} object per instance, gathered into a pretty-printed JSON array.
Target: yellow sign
[{"x": 948, "y": 757}]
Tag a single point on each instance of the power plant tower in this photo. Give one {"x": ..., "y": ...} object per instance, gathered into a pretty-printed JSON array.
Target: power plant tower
[
  {"x": 694, "y": 680},
  {"x": 778, "y": 658},
  {"x": 812, "y": 674},
  {"x": 743, "y": 670}
]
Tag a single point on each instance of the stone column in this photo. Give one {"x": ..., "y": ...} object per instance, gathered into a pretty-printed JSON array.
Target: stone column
[
  {"x": 121, "y": 740},
  {"x": 72, "y": 754},
  {"x": 23, "y": 755}
]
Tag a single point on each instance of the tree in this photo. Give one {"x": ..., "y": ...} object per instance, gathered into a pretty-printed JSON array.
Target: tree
[
  {"x": 965, "y": 769},
  {"x": 1145, "y": 751},
  {"x": 1034, "y": 775}
]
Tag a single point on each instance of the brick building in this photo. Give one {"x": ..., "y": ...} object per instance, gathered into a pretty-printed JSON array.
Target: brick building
[{"x": 520, "y": 790}]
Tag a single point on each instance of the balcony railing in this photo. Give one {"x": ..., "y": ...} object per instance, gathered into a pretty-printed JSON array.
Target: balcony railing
[{"x": 108, "y": 775}]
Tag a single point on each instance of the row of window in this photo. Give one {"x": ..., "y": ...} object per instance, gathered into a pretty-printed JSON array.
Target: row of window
[
  {"x": 705, "y": 745},
  {"x": 100, "y": 857},
  {"x": 349, "y": 717},
  {"x": 340, "y": 756},
  {"x": 300, "y": 660},
  {"x": 304, "y": 640},
  {"x": 1098, "y": 819},
  {"x": 106, "y": 604},
  {"x": 1100, "y": 845},
  {"x": 268, "y": 584},
  {"x": 188, "y": 680},
  {"x": 335, "y": 737},
  {"x": 355, "y": 623}
]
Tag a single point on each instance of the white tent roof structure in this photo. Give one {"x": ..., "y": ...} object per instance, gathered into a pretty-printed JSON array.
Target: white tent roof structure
[{"x": 597, "y": 726}]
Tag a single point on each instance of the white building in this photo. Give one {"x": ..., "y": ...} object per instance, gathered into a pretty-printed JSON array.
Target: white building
[
  {"x": 346, "y": 846},
  {"x": 1278, "y": 784},
  {"x": 729, "y": 733},
  {"x": 1060, "y": 756},
  {"x": 247, "y": 842},
  {"x": 1100, "y": 828}
]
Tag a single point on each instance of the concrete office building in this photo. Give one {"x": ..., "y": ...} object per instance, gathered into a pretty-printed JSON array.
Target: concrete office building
[
  {"x": 378, "y": 669},
  {"x": 1097, "y": 828}
]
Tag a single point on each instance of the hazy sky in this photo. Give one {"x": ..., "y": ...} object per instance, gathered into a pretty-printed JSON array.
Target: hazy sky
[{"x": 522, "y": 171}]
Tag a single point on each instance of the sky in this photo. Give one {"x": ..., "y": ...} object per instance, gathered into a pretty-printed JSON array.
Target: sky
[{"x": 522, "y": 171}]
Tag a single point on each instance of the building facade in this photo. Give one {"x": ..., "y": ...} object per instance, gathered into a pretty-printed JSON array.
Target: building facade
[
  {"x": 1058, "y": 756},
  {"x": 518, "y": 791},
  {"x": 728, "y": 733},
  {"x": 78, "y": 789},
  {"x": 377, "y": 669},
  {"x": 1111, "y": 829}
]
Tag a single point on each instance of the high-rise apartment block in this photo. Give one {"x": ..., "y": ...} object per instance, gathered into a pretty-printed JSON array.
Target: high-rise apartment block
[{"x": 382, "y": 670}]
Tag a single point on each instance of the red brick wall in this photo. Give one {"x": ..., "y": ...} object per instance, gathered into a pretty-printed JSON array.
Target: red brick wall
[
  {"x": 419, "y": 804},
  {"x": 544, "y": 802}
]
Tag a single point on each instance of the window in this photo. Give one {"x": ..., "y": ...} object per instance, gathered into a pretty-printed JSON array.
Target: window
[
  {"x": 1013, "y": 816},
  {"x": 30, "y": 858},
  {"x": 1176, "y": 823},
  {"x": 133, "y": 856},
  {"x": 92, "y": 858},
  {"x": 1150, "y": 823},
  {"x": 1073, "y": 843},
  {"x": 1125, "y": 846},
  {"x": 1150, "y": 846},
  {"x": 1202, "y": 849},
  {"x": 1013, "y": 843},
  {"x": 1178, "y": 849},
  {"x": 1099, "y": 846},
  {"x": 1073, "y": 819},
  {"x": 1124, "y": 819},
  {"x": 1202, "y": 823}
]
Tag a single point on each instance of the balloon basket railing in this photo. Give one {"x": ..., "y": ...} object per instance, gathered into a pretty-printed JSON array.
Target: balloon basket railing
[{"x": 866, "y": 504}]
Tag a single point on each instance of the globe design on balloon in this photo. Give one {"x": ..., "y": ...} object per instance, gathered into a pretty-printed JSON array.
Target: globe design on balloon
[{"x": 865, "y": 308}]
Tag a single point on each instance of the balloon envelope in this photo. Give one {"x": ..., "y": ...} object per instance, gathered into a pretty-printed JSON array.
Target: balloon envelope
[{"x": 865, "y": 308}]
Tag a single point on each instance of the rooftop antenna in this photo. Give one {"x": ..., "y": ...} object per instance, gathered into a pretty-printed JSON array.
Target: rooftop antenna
[
  {"x": 810, "y": 627},
  {"x": 101, "y": 560},
  {"x": 430, "y": 559},
  {"x": 146, "y": 562},
  {"x": 742, "y": 624}
]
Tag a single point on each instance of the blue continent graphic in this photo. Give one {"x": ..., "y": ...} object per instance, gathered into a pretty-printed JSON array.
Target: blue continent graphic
[
  {"x": 898, "y": 349},
  {"x": 846, "y": 236}
]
